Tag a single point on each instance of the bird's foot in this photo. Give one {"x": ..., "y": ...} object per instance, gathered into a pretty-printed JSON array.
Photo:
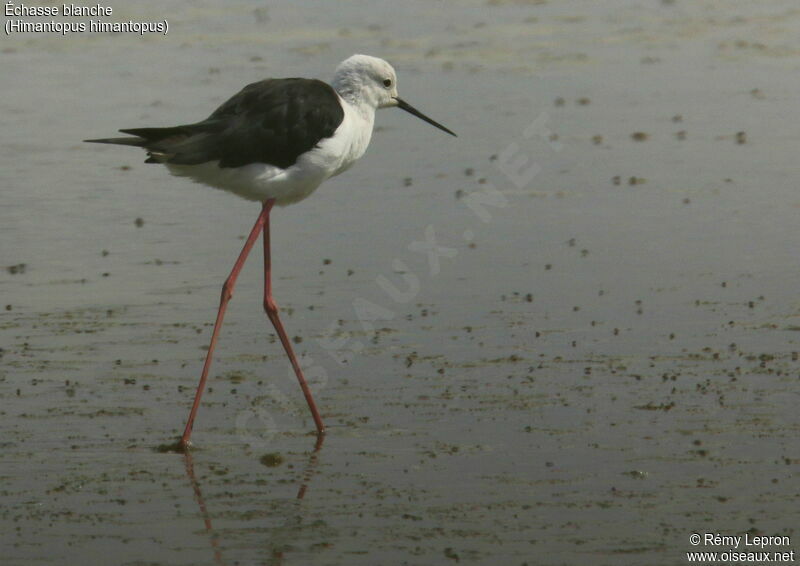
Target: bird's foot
[{"x": 180, "y": 446}]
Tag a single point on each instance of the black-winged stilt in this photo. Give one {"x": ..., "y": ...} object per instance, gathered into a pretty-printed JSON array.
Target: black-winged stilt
[{"x": 275, "y": 142}]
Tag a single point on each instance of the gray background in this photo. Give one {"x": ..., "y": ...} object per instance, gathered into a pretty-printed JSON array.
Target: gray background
[{"x": 588, "y": 375}]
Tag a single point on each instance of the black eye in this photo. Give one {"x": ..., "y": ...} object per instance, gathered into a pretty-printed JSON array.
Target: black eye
[{"x": 387, "y": 82}]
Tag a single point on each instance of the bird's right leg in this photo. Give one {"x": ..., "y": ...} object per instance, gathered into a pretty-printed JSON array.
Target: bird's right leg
[
  {"x": 227, "y": 293},
  {"x": 272, "y": 312}
]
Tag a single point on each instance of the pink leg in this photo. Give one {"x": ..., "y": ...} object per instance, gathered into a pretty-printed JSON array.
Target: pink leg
[
  {"x": 272, "y": 313},
  {"x": 227, "y": 293}
]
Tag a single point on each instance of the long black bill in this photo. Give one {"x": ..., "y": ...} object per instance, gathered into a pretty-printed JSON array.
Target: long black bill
[{"x": 402, "y": 104}]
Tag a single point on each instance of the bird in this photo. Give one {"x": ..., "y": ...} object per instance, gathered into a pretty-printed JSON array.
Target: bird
[{"x": 275, "y": 142}]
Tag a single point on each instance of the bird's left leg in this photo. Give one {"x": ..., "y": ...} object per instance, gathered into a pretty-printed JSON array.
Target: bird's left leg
[
  {"x": 227, "y": 293},
  {"x": 272, "y": 313}
]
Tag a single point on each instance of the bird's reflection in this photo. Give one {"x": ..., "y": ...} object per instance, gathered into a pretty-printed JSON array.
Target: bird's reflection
[
  {"x": 198, "y": 496},
  {"x": 305, "y": 481},
  {"x": 312, "y": 463}
]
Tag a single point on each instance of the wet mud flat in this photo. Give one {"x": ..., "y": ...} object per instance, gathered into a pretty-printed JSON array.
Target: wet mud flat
[{"x": 584, "y": 357}]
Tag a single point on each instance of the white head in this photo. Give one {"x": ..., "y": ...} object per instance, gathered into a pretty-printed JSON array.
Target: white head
[
  {"x": 368, "y": 81},
  {"x": 365, "y": 79}
]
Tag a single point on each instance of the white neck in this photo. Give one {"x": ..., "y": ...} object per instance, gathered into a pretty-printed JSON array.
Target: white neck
[{"x": 358, "y": 123}]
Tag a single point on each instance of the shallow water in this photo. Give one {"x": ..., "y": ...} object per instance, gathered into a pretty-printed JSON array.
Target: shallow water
[{"x": 599, "y": 359}]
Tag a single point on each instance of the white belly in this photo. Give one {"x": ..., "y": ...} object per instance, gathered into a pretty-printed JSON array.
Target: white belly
[{"x": 257, "y": 181}]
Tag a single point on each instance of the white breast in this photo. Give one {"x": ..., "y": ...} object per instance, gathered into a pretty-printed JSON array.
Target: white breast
[{"x": 340, "y": 151}]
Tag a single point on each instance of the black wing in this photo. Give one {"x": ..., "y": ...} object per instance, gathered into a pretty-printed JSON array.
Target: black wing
[{"x": 272, "y": 121}]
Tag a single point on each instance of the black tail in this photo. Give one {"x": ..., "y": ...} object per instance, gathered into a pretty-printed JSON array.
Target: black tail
[
  {"x": 152, "y": 135},
  {"x": 136, "y": 142},
  {"x": 185, "y": 145},
  {"x": 155, "y": 141}
]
